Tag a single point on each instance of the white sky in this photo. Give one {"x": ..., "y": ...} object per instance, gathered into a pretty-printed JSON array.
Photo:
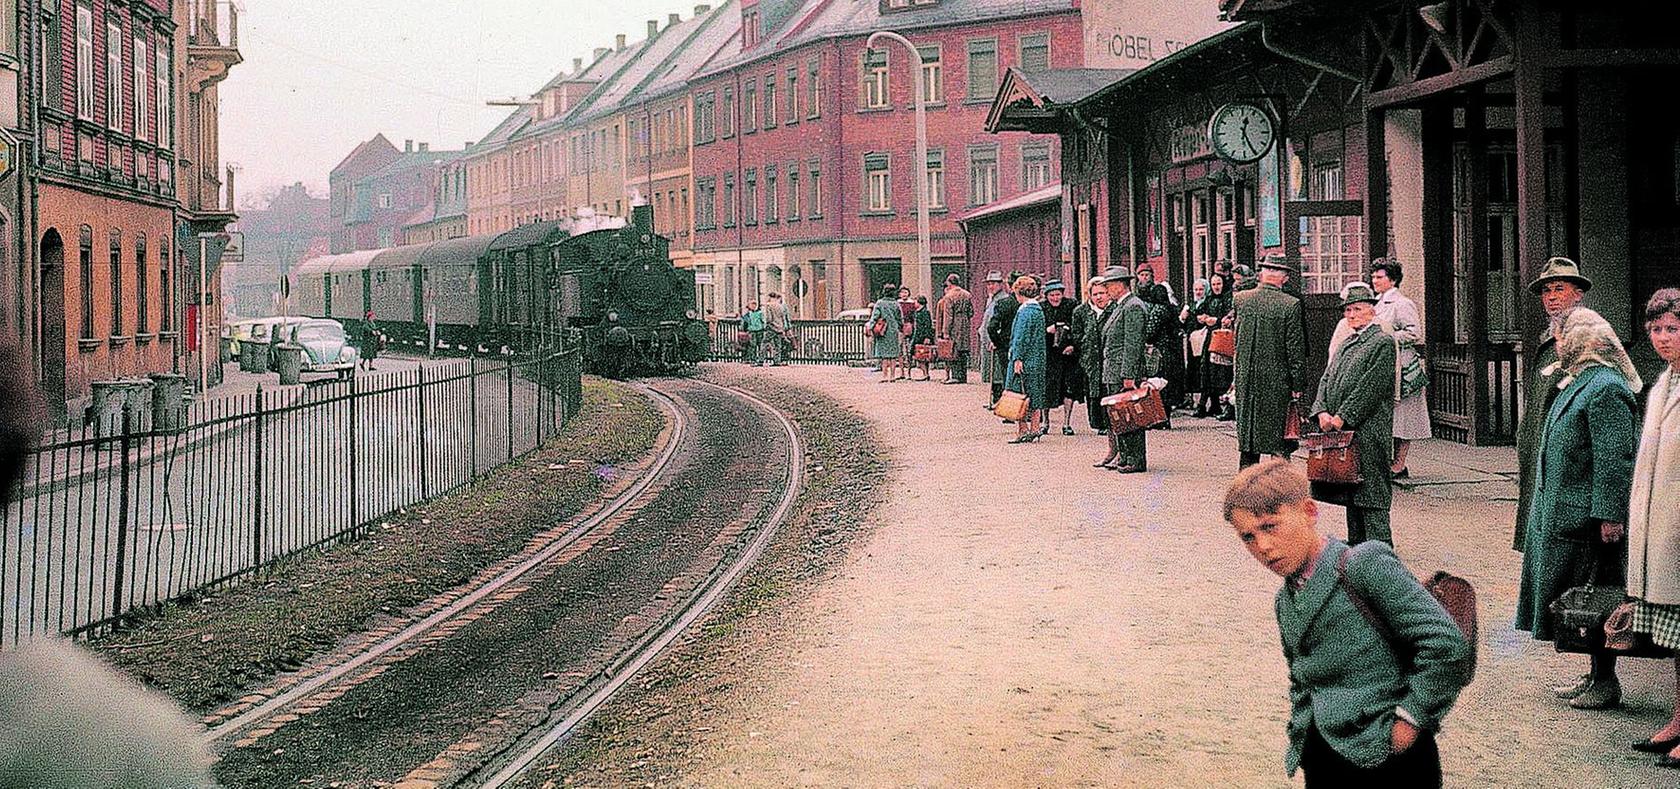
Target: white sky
[{"x": 321, "y": 76}]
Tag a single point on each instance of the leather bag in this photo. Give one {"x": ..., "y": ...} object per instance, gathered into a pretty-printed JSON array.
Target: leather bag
[
  {"x": 1134, "y": 409},
  {"x": 922, "y": 353},
  {"x": 1332, "y": 457},
  {"x": 1454, "y": 594},
  {"x": 1223, "y": 342},
  {"x": 945, "y": 349},
  {"x": 1585, "y": 617},
  {"x": 878, "y": 328},
  {"x": 1011, "y": 406},
  {"x": 1292, "y": 422}
]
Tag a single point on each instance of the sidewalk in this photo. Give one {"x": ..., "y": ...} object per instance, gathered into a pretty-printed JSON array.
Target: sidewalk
[{"x": 1018, "y": 618}]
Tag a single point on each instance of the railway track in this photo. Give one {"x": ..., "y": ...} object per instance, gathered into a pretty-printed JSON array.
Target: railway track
[{"x": 486, "y": 678}]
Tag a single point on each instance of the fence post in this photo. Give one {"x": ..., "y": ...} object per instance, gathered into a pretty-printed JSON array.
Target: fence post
[
  {"x": 122, "y": 517},
  {"x": 257, "y": 503},
  {"x": 420, "y": 395},
  {"x": 355, "y": 500},
  {"x": 472, "y": 396},
  {"x": 509, "y": 410}
]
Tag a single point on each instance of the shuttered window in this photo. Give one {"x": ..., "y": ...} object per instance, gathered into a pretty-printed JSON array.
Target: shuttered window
[{"x": 982, "y": 69}]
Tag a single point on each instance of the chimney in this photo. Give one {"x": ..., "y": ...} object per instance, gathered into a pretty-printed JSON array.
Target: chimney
[
  {"x": 653, "y": 28},
  {"x": 425, "y": 146},
  {"x": 601, "y": 52},
  {"x": 618, "y": 42},
  {"x": 577, "y": 67},
  {"x": 702, "y": 9},
  {"x": 408, "y": 146},
  {"x": 672, "y": 20}
]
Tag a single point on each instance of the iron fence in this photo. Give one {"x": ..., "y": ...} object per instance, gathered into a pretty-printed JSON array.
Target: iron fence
[
  {"x": 122, "y": 518},
  {"x": 812, "y": 342}
]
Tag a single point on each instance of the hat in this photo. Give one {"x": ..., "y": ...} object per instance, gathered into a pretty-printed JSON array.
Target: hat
[
  {"x": 1277, "y": 261},
  {"x": 1560, "y": 268},
  {"x": 996, "y": 276},
  {"x": 1358, "y": 292},
  {"x": 1054, "y": 284},
  {"x": 1243, "y": 271},
  {"x": 1116, "y": 274}
]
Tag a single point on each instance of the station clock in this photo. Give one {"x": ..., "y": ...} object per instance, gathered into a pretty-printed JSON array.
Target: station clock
[{"x": 1240, "y": 132}]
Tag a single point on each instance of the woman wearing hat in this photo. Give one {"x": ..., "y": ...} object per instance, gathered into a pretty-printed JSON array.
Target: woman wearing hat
[
  {"x": 1357, "y": 393},
  {"x": 1064, "y": 383},
  {"x": 1027, "y": 354}
]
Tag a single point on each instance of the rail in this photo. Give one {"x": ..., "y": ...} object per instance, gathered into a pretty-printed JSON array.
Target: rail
[{"x": 108, "y": 524}]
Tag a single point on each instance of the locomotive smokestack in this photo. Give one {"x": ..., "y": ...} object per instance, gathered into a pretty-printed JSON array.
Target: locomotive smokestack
[{"x": 641, "y": 217}]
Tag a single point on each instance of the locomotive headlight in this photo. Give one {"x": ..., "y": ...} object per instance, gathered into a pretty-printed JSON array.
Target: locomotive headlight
[
  {"x": 691, "y": 315},
  {"x": 613, "y": 316}
]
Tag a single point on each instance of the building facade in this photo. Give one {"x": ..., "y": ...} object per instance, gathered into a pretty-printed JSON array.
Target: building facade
[
  {"x": 362, "y": 161},
  {"x": 17, "y": 275},
  {"x": 374, "y": 205}
]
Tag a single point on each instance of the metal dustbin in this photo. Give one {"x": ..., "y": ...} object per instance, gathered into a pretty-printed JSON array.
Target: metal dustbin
[
  {"x": 137, "y": 401},
  {"x": 289, "y": 362},
  {"x": 169, "y": 407},
  {"x": 253, "y": 357},
  {"x": 105, "y": 414}
]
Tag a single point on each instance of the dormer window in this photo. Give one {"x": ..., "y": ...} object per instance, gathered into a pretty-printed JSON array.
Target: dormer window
[{"x": 895, "y": 6}]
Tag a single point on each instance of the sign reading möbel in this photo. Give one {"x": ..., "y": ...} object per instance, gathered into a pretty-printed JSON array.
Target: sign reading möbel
[{"x": 1135, "y": 33}]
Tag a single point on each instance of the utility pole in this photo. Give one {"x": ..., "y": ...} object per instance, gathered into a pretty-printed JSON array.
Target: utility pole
[{"x": 921, "y": 272}]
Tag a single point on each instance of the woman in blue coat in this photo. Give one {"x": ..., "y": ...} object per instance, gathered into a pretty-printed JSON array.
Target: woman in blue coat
[
  {"x": 887, "y": 346},
  {"x": 1027, "y": 358},
  {"x": 1579, "y": 508}
]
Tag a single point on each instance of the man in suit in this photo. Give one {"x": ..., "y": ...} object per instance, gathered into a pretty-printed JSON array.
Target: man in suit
[
  {"x": 1375, "y": 662},
  {"x": 999, "y": 329},
  {"x": 952, "y": 318},
  {"x": 1561, "y": 285},
  {"x": 1122, "y": 366},
  {"x": 1089, "y": 318},
  {"x": 1271, "y": 362}
]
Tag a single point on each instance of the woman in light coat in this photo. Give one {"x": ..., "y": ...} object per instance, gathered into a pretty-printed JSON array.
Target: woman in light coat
[
  {"x": 1654, "y": 511},
  {"x": 1399, "y": 316}
]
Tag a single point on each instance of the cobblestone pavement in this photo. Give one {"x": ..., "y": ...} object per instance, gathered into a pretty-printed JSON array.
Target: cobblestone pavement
[{"x": 1019, "y": 618}]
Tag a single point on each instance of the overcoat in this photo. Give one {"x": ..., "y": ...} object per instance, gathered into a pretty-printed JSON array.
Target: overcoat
[
  {"x": 1271, "y": 364},
  {"x": 1582, "y": 477},
  {"x": 1654, "y": 506},
  {"x": 1027, "y": 346},
  {"x": 1091, "y": 345},
  {"x": 891, "y": 344},
  {"x": 1358, "y": 386},
  {"x": 1061, "y": 371},
  {"x": 954, "y": 318},
  {"x": 1540, "y": 390},
  {"x": 998, "y": 330},
  {"x": 1343, "y": 677},
  {"x": 923, "y": 333},
  {"x": 1123, "y": 342}
]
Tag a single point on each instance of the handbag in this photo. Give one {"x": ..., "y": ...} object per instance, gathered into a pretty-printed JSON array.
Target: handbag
[
  {"x": 1414, "y": 376},
  {"x": 1198, "y": 341},
  {"x": 946, "y": 349},
  {"x": 1134, "y": 409},
  {"x": 1332, "y": 457},
  {"x": 923, "y": 352},
  {"x": 1292, "y": 422},
  {"x": 1011, "y": 406},
  {"x": 878, "y": 328},
  {"x": 1585, "y": 617},
  {"x": 1223, "y": 342}
]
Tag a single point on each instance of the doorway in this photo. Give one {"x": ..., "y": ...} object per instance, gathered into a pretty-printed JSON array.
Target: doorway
[{"x": 53, "y": 337}]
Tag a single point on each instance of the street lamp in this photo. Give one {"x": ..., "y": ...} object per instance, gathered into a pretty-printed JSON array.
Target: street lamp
[{"x": 922, "y": 272}]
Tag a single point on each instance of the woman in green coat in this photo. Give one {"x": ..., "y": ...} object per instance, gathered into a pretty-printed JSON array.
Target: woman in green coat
[
  {"x": 1357, "y": 393},
  {"x": 889, "y": 344},
  {"x": 1579, "y": 502}
]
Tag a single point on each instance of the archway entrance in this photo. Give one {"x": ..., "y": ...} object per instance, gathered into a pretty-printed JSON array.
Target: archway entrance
[{"x": 51, "y": 310}]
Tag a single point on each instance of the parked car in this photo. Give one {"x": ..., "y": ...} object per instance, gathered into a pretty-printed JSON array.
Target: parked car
[
  {"x": 326, "y": 347},
  {"x": 274, "y": 331},
  {"x": 860, "y": 314}
]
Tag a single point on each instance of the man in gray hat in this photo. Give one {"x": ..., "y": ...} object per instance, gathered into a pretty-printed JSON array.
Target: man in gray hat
[
  {"x": 1356, "y": 394},
  {"x": 995, "y": 295},
  {"x": 1123, "y": 365},
  {"x": 1271, "y": 362},
  {"x": 1561, "y": 285},
  {"x": 998, "y": 331}
]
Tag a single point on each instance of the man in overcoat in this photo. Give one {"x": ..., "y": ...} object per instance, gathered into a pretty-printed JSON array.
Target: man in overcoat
[
  {"x": 1357, "y": 393},
  {"x": 995, "y": 295},
  {"x": 1561, "y": 285},
  {"x": 1271, "y": 362},
  {"x": 1123, "y": 364},
  {"x": 1088, "y": 321},
  {"x": 998, "y": 331},
  {"x": 1375, "y": 662},
  {"x": 953, "y": 319}
]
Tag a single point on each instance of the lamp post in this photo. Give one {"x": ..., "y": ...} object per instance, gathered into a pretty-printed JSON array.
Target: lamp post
[{"x": 922, "y": 272}]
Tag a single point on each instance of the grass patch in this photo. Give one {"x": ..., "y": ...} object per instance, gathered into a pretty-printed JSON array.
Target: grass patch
[{"x": 208, "y": 651}]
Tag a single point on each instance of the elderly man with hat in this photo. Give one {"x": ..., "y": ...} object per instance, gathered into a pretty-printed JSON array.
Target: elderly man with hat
[
  {"x": 1271, "y": 362},
  {"x": 1356, "y": 394},
  {"x": 995, "y": 295},
  {"x": 1064, "y": 384},
  {"x": 1561, "y": 285},
  {"x": 1000, "y": 325},
  {"x": 1089, "y": 318},
  {"x": 1123, "y": 365},
  {"x": 953, "y": 319}
]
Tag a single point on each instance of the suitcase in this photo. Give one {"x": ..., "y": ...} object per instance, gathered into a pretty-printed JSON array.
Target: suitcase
[
  {"x": 1332, "y": 457},
  {"x": 923, "y": 352},
  {"x": 1134, "y": 410},
  {"x": 945, "y": 349},
  {"x": 1223, "y": 342}
]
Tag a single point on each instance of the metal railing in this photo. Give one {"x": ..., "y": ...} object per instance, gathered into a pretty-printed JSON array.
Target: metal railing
[
  {"x": 119, "y": 520},
  {"x": 812, "y": 342}
]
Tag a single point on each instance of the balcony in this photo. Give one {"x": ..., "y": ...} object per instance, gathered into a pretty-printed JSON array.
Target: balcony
[{"x": 212, "y": 42}]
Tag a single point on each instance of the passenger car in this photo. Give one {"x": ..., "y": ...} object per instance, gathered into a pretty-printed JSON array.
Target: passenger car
[{"x": 326, "y": 347}]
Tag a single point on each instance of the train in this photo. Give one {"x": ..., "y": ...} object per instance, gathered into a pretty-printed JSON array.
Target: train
[{"x": 610, "y": 279}]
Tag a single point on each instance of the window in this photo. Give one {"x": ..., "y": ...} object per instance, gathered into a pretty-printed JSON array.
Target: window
[
  {"x": 749, "y": 107},
  {"x": 982, "y": 174},
  {"x": 705, "y": 122},
  {"x": 982, "y": 69},
  {"x": 793, "y": 94},
  {"x": 8, "y": 39},
  {"x": 684, "y": 205},
  {"x": 116, "y": 284},
  {"x": 1035, "y": 53},
  {"x": 50, "y": 55},
  {"x": 113, "y": 75},
  {"x": 874, "y": 78},
  {"x": 86, "y": 274},
  {"x": 771, "y": 196},
  {"x": 770, "y": 113},
  {"x": 166, "y": 297},
  {"x": 705, "y": 206},
  {"x": 142, "y": 90},
  {"x": 749, "y": 201},
  {"x": 142, "y": 320},
  {"x": 813, "y": 87},
  {"x": 877, "y": 182},
  {"x": 933, "y": 75},
  {"x": 1327, "y": 180},
  {"x": 1035, "y": 166},
  {"x": 385, "y": 200},
  {"x": 84, "y": 62},
  {"x": 793, "y": 192},
  {"x": 816, "y": 190},
  {"x": 728, "y": 199},
  {"x": 935, "y": 180}
]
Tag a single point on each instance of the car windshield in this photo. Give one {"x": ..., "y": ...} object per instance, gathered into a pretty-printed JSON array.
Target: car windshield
[{"x": 320, "y": 332}]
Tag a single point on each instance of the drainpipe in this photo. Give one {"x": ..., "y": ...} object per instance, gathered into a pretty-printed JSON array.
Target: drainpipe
[
  {"x": 37, "y": 91},
  {"x": 1270, "y": 46}
]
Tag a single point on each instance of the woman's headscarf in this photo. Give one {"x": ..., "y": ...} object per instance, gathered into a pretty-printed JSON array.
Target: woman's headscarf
[
  {"x": 1585, "y": 338},
  {"x": 1207, "y": 291}
]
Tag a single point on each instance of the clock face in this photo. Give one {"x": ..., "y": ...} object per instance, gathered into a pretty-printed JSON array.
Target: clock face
[{"x": 1241, "y": 132}]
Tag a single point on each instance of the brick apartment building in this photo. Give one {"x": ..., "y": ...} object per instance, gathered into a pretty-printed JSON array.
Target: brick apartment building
[{"x": 377, "y": 191}]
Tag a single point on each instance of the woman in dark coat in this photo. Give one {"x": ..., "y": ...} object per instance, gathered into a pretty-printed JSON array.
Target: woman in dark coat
[
  {"x": 1027, "y": 355},
  {"x": 1579, "y": 508},
  {"x": 1215, "y": 370},
  {"x": 1064, "y": 383},
  {"x": 921, "y": 334}
]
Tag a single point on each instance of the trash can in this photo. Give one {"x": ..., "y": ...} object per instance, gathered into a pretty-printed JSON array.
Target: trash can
[
  {"x": 253, "y": 357},
  {"x": 137, "y": 401},
  {"x": 105, "y": 414},
  {"x": 227, "y": 350},
  {"x": 169, "y": 407},
  {"x": 289, "y": 362}
]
